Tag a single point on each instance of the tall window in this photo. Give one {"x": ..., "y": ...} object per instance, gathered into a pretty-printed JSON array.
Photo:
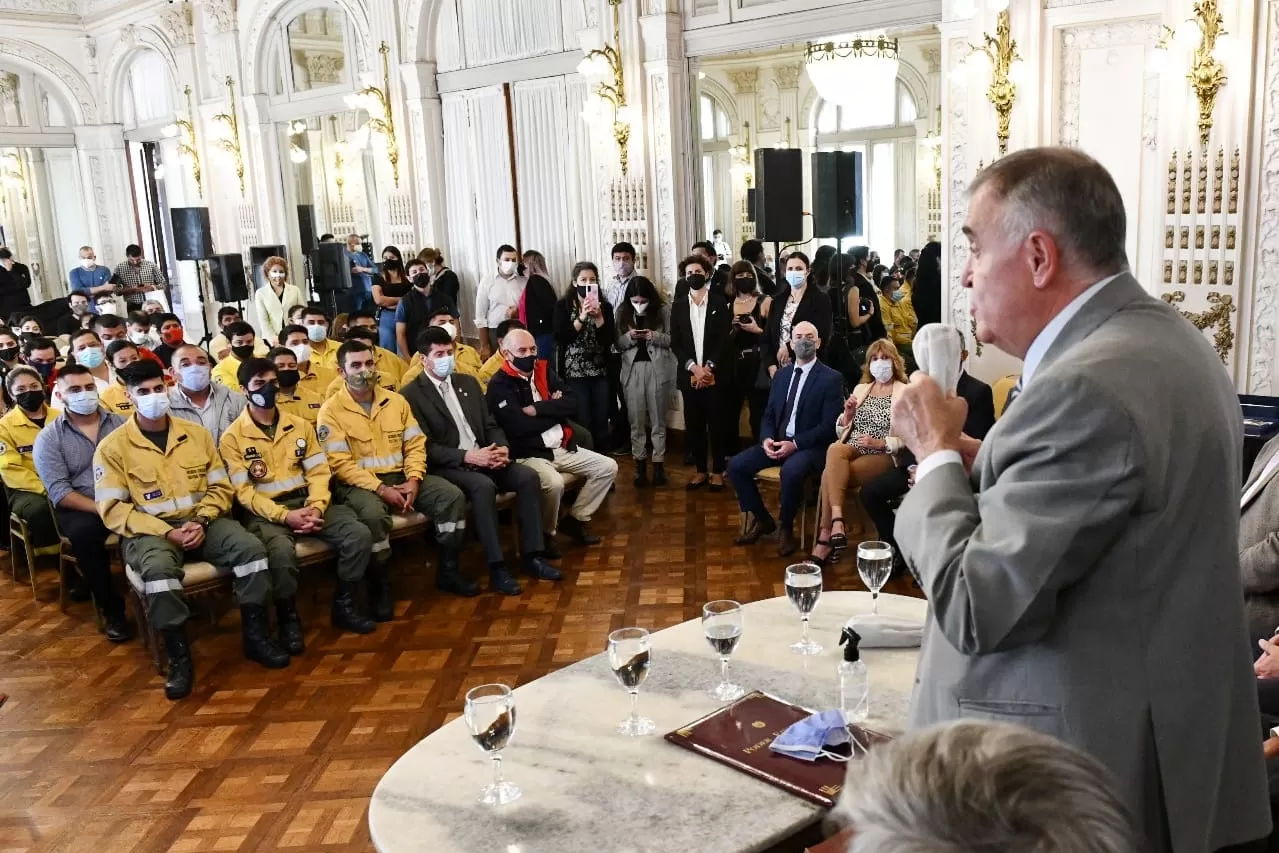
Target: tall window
[
  {"x": 883, "y": 135},
  {"x": 717, "y": 179}
]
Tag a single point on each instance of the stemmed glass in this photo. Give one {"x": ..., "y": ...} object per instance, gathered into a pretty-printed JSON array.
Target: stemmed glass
[
  {"x": 804, "y": 587},
  {"x": 874, "y": 564},
  {"x": 722, "y": 624},
  {"x": 628, "y": 656},
  {"x": 490, "y": 715}
]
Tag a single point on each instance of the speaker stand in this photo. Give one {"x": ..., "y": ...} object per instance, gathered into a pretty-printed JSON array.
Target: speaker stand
[{"x": 202, "y": 275}]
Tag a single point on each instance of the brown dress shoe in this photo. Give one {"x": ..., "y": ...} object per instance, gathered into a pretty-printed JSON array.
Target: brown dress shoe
[
  {"x": 757, "y": 530},
  {"x": 786, "y": 543}
]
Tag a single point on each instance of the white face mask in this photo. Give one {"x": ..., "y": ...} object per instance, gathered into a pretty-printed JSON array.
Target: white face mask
[
  {"x": 142, "y": 339},
  {"x": 152, "y": 406},
  {"x": 451, "y": 329},
  {"x": 302, "y": 352},
  {"x": 81, "y": 402},
  {"x": 640, "y": 308},
  {"x": 507, "y": 267},
  {"x": 106, "y": 307},
  {"x": 882, "y": 370},
  {"x": 277, "y": 275},
  {"x": 87, "y": 263}
]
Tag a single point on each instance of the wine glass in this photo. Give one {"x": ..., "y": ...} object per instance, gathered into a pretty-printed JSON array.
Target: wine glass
[
  {"x": 874, "y": 564},
  {"x": 722, "y": 624},
  {"x": 490, "y": 715},
  {"x": 804, "y": 587},
  {"x": 628, "y": 656}
]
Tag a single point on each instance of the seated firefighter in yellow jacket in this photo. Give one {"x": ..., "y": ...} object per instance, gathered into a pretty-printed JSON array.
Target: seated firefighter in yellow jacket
[
  {"x": 281, "y": 477},
  {"x": 162, "y": 487},
  {"x": 18, "y": 430},
  {"x": 378, "y": 456}
]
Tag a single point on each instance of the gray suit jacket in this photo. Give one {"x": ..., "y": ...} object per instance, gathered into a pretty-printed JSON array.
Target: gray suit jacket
[
  {"x": 1259, "y": 548},
  {"x": 442, "y": 434},
  {"x": 1093, "y": 592}
]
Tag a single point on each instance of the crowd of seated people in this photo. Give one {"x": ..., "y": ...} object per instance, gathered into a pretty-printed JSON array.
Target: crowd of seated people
[{"x": 331, "y": 427}]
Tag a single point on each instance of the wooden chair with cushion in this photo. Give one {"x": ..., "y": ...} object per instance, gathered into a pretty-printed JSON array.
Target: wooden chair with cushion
[
  {"x": 67, "y": 563},
  {"x": 770, "y": 483},
  {"x": 20, "y": 550}
]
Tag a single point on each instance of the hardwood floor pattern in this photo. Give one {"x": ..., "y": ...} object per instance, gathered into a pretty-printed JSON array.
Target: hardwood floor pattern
[{"x": 94, "y": 759}]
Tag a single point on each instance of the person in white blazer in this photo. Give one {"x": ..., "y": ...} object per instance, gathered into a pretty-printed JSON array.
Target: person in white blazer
[{"x": 274, "y": 300}]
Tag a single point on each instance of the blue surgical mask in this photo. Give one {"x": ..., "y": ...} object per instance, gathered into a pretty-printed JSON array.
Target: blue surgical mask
[
  {"x": 796, "y": 278},
  {"x": 90, "y": 357},
  {"x": 194, "y": 377},
  {"x": 809, "y": 738},
  {"x": 442, "y": 367},
  {"x": 896, "y": 296}
]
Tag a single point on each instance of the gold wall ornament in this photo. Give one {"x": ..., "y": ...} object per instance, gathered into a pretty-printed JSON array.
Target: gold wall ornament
[
  {"x": 1185, "y": 183},
  {"x": 608, "y": 59},
  {"x": 1199, "y": 237},
  {"x": 1185, "y": 236},
  {"x": 1167, "y": 272},
  {"x": 976, "y": 341},
  {"x": 1172, "y": 184},
  {"x": 1216, "y": 237},
  {"x": 1230, "y": 274},
  {"x": 1001, "y": 50},
  {"x": 187, "y": 146},
  {"x": 1218, "y": 169},
  {"x": 1181, "y": 273},
  {"x": 1230, "y": 237},
  {"x": 231, "y": 142},
  {"x": 1212, "y": 272},
  {"x": 1169, "y": 238},
  {"x": 377, "y": 103},
  {"x": 1234, "y": 182},
  {"x": 1201, "y": 188},
  {"x": 1217, "y": 317},
  {"x": 1199, "y": 272},
  {"x": 339, "y": 162},
  {"x": 1207, "y": 74},
  {"x": 1174, "y": 297}
]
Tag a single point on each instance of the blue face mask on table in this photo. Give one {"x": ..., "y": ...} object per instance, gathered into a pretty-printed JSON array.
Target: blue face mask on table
[{"x": 807, "y": 740}]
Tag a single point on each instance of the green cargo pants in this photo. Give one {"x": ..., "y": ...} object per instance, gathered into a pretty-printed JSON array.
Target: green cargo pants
[
  {"x": 227, "y": 545},
  {"x": 437, "y": 498},
  {"x": 37, "y": 513},
  {"x": 342, "y": 531}
]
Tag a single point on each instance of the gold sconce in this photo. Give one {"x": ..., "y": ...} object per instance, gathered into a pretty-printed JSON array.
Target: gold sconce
[
  {"x": 339, "y": 161},
  {"x": 744, "y": 157},
  {"x": 377, "y": 103},
  {"x": 602, "y": 64},
  {"x": 187, "y": 147},
  {"x": 12, "y": 174},
  {"x": 1000, "y": 50},
  {"x": 1207, "y": 72},
  {"x": 230, "y": 142}
]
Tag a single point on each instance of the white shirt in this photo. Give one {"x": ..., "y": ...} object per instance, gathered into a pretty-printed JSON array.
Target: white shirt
[
  {"x": 496, "y": 296},
  {"x": 553, "y": 437},
  {"x": 465, "y": 436},
  {"x": 615, "y": 291},
  {"x": 805, "y": 370},
  {"x": 697, "y": 319},
  {"x": 1030, "y": 364},
  {"x": 1260, "y": 483}
]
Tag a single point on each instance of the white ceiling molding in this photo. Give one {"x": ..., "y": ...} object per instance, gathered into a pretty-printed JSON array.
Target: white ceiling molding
[{"x": 57, "y": 72}]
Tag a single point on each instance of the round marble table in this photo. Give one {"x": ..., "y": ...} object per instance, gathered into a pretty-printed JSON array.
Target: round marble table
[{"x": 588, "y": 789}]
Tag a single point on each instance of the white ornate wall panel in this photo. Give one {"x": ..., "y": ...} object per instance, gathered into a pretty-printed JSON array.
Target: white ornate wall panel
[
  {"x": 544, "y": 171},
  {"x": 1262, "y": 315},
  {"x": 502, "y": 30},
  {"x": 586, "y": 193},
  {"x": 448, "y": 38},
  {"x": 459, "y": 201}
]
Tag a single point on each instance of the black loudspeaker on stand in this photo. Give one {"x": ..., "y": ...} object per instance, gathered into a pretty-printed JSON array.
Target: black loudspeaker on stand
[
  {"x": 779, "y": 195},
  {"x": 226, "y": 278},
  {"x": 192, "y": 239},
  {"x": 258, "y": 256},
  {"x": 306, "y": 228},
  {"x": 331, "y": 273},
  {"x": 837, "y": 201}
]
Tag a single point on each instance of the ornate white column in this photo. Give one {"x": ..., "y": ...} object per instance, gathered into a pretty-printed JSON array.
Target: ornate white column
[
  {"x": 425, "y": 138},
  {"x": 263, "y": 162},
  {"x": 105, "y": 173}
]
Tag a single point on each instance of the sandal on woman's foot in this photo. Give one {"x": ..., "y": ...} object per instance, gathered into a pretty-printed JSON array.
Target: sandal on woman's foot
[
  {"x": 813, "y": 556},
  {"x": 838, "y": 541},
  {"x": 717, "y": 486},
  {"x": 696, "y": 482}
]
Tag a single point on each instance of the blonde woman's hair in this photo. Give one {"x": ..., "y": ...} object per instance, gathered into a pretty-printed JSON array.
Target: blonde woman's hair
[{"x": 884, "y": 346}]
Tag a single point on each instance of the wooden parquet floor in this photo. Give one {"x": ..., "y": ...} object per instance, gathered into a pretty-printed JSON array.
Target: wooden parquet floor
[{"x": 93, "y": 759}]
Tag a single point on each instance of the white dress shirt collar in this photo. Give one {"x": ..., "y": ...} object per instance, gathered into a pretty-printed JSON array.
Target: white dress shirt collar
[{"x": 1044, "y": 340}]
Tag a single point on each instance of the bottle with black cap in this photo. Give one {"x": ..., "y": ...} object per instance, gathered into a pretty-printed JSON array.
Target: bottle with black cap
[{"x": 854, "y": 681}]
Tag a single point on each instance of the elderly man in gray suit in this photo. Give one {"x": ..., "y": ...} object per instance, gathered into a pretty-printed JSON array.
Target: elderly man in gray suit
[
  {"x": 1259, "y": 543},
  {"x": 1093, "y": 591}
]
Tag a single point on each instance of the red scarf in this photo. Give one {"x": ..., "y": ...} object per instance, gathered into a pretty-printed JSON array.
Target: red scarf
[{"x": 542, "y": 384}]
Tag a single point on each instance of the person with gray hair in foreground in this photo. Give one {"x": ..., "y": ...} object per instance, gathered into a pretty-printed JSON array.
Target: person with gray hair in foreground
[
  {"x": 979, "y": 787},
  {"x": 1081, "y": 563}
]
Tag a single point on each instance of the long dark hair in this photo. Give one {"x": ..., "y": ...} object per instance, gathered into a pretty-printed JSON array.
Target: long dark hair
[
  {"x": 570, "y": 296},
  {"x": 626, "y": 312}
]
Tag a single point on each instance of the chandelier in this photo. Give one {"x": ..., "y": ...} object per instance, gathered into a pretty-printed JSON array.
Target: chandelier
[{"x": 848, "y": 69}]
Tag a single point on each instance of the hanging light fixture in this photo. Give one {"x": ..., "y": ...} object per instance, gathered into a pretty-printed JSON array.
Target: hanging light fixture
[{"x": 849, "y": 69}]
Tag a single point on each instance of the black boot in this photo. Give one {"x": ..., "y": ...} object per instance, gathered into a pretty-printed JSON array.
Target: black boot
[
  {"x": 500, "y": 580},
  {"x": 346, "y": 611},
  {"x": 114, "y": 623},
  {"x": 641, "y": 473},
  {"x": 258, "y": 645},
  {"x": 181, "y": 674},
  {"x": 549, "y": 551},
  {"x": 659, "y": 473},
  {"x": 449, "y": 576},
  {"x": 291, "y": 636},
  {"x": 576, "y": 530},
  {"x": 77, "y": 589},
  {"x": 381, "y": 602}
]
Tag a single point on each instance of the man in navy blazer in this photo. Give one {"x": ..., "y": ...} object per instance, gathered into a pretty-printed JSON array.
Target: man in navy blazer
[{"x": 799, "y": 424}]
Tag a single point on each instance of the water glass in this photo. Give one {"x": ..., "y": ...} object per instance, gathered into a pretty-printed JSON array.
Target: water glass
[
  {"x": 490, "y": 716},
  {"x": 629, "y": 653},
  {"x": 804, "y": 587},
  {"x": 722, "y": 624},
  {"x": 874, "y": 564}
]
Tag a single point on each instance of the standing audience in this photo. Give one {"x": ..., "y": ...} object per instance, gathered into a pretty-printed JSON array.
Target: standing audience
[
  {"x": 700, "y": 326},
  {"x": 585, "y": 332},
  {"x": 647, "y": 375}
]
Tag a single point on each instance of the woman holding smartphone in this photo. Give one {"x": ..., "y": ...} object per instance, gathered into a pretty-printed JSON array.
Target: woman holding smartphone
[
  {"x": 747, "y": 381},
  {"x": 584, "y": 332},
  {"x": 647, "y": 375}
]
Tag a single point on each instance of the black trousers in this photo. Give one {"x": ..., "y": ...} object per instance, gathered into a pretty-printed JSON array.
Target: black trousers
[
  {"x": 482, "y": 488},
  {"x": 88, "y": 536},
  {"x": 703, "y": 426},
  {"x": 734, "y": 397},
  {"x": 880, "y": 495},
  {"x": 620, "y": 424}
]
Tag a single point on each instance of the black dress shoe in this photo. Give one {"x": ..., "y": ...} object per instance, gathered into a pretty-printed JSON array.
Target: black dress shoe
[
  {"x": 576, "y": 530},
  {"x": 180, "y": 675},
  {"x": 549, "y": 551},
  {"x": 77, "y": 591},
  {"x": 694, "y": 485},
  {"x": 786, "y": 544},
  {"x": 500, "y": 580},
  {"x": 116, "y": 627},
  {"x": 659, "y": 474},
  {"x": 758, "y": 529},
  {"x": 641, "y": 473},
  {"x": 540, "y": 569}
]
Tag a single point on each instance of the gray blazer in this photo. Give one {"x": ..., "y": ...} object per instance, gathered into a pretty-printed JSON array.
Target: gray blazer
[
  {"x": 659, "y": 350},
  {"x": 226, "y": 403},
  {"x": 1259, "y": 549},
  {"x": 1093, "y": 592}
]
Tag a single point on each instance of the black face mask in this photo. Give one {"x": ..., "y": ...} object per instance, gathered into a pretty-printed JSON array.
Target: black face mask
[
  {"x": 524, "y": 363},
  {"x": 243, "y": 353},
  {"x": 422, "y": 281},
  {"x": 30, "y": 400},
  {"x": 264, "y": 397},
  {"x": 696, "y": 281},
  {"x": 8, "y": 353},
  {"x": 744, "y": 285},
  {"x": 289, "y": 378}
]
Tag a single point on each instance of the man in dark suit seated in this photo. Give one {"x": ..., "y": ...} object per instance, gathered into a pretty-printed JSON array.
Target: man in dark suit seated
[
  {"x": 465, "y": 446},
  {"x": 798, "y": 426},
  {"x": 881, "y": 496}
]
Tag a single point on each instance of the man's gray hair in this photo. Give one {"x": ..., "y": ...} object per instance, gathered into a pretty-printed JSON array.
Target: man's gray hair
[
  {"x": 1067, "y": 194},
  {"x": 971, "y": 787}
]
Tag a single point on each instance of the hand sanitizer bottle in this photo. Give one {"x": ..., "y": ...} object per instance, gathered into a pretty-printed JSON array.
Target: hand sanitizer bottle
[{"x": 854, "y": 682}]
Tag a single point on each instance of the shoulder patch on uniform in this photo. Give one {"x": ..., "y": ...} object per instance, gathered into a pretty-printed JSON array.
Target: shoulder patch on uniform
[
  {"x": 99, "y": 472},
  {"x": 323, "y": 432},
  {"x": 313, "y": 405},
  {"x": 502, "y": 405}
]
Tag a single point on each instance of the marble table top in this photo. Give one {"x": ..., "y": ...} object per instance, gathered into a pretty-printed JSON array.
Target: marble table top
[{"x": 588, "y": 789}]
